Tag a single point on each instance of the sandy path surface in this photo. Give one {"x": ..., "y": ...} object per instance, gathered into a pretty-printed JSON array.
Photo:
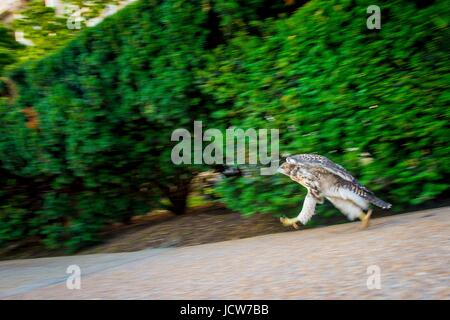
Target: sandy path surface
[{"x": 411, "y": 251}]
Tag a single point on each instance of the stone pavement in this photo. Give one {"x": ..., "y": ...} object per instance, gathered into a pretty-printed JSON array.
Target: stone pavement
[{"x": 411, "y": 251}]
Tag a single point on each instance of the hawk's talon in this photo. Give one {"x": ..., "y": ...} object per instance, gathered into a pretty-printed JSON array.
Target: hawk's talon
[
  {"x": 365, "y": 219},
  {"x": 289, "y": 222}
]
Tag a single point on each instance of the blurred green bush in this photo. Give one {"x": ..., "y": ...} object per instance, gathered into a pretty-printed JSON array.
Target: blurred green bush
[
  {"x": 90, "y": 129},
  {"x": 87, "y": 140}
]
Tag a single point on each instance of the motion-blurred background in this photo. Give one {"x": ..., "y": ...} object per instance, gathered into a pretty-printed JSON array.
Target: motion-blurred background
[{"x": 91, "y": 92}]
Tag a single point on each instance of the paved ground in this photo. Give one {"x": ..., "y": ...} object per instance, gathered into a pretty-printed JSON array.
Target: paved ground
[{"x": 412, "y": 252}]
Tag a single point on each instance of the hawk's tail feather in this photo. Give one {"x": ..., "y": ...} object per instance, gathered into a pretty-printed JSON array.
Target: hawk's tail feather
[{"x": 380, "y": 203}]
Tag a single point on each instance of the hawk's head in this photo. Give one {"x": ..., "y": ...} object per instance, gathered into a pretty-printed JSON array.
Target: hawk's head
[
  {"x": 287, "y": 168},
  {"x": 296, "y": 171}
]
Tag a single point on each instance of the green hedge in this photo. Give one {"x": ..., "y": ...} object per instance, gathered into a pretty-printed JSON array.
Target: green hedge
[
  {"x": 106, "y": 105},
  {"x": 87, "y": 140}
]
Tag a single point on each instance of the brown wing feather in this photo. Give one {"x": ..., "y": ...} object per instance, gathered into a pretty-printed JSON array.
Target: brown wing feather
[
  {"x": 323, "y": 162},
  {"x": 316, "y": 160}
]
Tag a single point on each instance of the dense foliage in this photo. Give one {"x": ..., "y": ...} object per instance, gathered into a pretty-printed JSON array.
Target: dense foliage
[
  {"x": 46, "y": 27},
  {"x": 92, "y": 123},
  {"x": 7, "y": 45},
  {"x": 87, "y": 140},
  {"x": 8, "y": 49}
]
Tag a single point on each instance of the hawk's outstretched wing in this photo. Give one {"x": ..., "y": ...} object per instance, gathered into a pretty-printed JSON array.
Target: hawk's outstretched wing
[{"x": 315, "y": 160}]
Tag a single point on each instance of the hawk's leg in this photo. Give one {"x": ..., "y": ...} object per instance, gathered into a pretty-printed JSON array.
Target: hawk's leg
[
  {"x": 365, "y": 218},
  {"x": 308, "y": 210}
]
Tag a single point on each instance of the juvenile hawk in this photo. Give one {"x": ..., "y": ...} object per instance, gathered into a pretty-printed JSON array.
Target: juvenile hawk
[{"x": 325, "y": 179}]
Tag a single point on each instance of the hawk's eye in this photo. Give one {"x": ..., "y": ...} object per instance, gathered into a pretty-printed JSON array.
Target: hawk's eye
[{"x": 290, "y": 160}]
